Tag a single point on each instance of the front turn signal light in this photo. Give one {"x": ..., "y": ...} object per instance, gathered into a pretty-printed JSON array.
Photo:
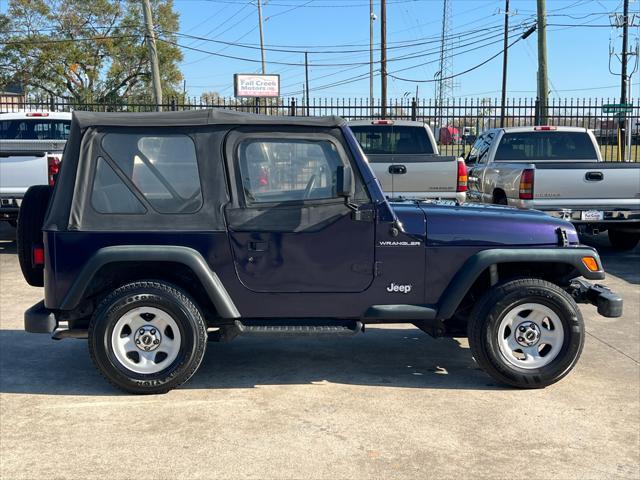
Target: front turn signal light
[{"x": 591, "y": 264}]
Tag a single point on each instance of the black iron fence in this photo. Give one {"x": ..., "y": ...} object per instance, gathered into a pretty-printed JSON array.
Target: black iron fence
[{"x": 456, "y": 122}]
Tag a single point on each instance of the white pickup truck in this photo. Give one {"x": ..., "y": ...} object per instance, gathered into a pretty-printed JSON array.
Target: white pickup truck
[
  {"x": 31, "y": 145},
  {"x": 403, "y": 154},
  {"x": 560, "y": 171}
]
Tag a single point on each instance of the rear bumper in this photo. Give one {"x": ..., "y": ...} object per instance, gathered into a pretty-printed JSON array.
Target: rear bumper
[
  {"x": 608, "y": 303},
  {"x": 39, "y": 319},
  {"x": 9, "y": 206},
  {"x": 574, "y": 213}
]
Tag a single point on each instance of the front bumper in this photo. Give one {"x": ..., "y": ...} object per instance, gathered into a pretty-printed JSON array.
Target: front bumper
[{"x": 608, "y": 303}]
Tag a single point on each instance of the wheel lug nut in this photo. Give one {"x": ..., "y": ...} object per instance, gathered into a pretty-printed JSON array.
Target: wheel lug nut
[
  {"x": 520, "y": 339},
  {"x": 156, "y": 341},
  {"x": 153, "y": 331},
  {"x": 522, "y": 329}
]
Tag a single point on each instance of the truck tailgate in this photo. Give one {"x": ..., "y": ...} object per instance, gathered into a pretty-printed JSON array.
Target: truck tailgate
[
  {"x": 424, "y": 174},
  {"x": 587, "y": 184},
  {"x": 24, "y": 163}
]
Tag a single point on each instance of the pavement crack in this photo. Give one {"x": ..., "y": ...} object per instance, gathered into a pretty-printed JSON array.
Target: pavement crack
[{"x": 614, "y": 348}]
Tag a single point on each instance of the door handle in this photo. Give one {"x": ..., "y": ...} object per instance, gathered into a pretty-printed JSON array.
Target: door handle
[
  {"x": 397, "y": 169},
  {"x": 258, "y": 246},
  {"x": 594, "y": 176}
]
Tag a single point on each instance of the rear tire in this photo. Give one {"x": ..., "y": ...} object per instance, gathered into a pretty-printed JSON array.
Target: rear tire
[
  {"x": 147, "y": 337},
  {"x": 526, "y": 333},
  {"x": 30, "y": 219},
  {"x": 623, "y": 240}
]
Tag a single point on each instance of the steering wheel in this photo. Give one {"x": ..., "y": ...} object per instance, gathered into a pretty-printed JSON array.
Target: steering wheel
[{"x": 310, "y": 184}]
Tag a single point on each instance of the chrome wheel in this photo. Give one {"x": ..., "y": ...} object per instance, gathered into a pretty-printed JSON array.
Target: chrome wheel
[
  {"x": 530, "y": 335},
  {"x": 146, "y": 340}
]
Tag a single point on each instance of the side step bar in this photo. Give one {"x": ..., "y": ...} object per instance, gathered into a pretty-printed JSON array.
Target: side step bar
[{"x": 302, "y": 327}]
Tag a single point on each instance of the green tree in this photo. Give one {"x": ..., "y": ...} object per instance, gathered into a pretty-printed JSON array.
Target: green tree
[{"x": 87, "y": 51}]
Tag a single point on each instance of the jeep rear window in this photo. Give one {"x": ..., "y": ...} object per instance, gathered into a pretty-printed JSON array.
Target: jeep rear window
[
  {"x": 163, "y": 168},
  {"x": 275, "y": 170},
  {"x": 545, "y": 145},
  {"x": 392, "y": 139}
]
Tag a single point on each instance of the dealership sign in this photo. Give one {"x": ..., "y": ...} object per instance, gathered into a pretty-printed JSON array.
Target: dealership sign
[{"x": 254, "y": 85}]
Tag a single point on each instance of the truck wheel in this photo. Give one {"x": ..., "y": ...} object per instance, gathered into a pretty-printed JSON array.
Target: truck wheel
[
  {"x": 30, "y": 219},
  {"x": 527, "y": 333},
  {"x": 147, "y": 337},
  {"x": 621, "y": 240}
]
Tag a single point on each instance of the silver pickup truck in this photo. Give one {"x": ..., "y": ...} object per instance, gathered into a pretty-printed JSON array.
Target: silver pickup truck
[
  {"x": 403, "y": 154},
  {"x": 560, "y": 171},
  {"x": 31, "y": 145}
]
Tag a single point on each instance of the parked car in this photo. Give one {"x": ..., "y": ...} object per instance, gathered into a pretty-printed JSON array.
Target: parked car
[
  {"x": 404, "y": 156},
  {"x": 448, "y": 136},
  {"x": 31, "y": 145},
  {"x": 161, "y": 235},
  {"x": 560, "y": 171}
]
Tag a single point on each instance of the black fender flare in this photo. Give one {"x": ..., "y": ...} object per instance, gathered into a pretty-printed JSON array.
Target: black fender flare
[
  {"x": 479, "y": 262},
  {"x": 153, "y": 253}
]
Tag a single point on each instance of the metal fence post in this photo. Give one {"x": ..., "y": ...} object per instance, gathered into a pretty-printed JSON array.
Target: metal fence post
[
  {"x": 173, "y": 104},
  {"x": 292, "y": 110},
  {"x": 414, "y": 109}
]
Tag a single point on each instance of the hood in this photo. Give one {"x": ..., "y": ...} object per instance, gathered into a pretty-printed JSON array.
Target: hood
[{"x": 475, "y": 224}]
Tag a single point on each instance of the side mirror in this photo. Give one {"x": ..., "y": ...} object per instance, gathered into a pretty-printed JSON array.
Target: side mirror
[{"x": 344, "y": 181}]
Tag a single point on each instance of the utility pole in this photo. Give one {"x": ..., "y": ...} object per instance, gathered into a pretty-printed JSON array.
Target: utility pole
[
  {"x": 543, "y": 88},
  {"x": 622, "y": 130},
  {"x": 306, "y": 80},
  {"x": 153, "y": 54},
  {"x": 383, "y": 58},
  {"x": 264, "y": 68},
  {"x": 372, "y": 17},
  {"x": 504, "y": 62}
]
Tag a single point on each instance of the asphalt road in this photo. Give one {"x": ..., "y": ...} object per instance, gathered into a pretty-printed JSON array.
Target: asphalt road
[{"x": 392, "y": 403}]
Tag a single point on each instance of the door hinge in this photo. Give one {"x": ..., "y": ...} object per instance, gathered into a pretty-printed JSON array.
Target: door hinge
[
  {"x": 563, "y": 239},
  {"x": 377, "y": 269}
]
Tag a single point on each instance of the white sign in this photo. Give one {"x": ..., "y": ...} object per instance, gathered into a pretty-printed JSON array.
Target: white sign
[{"x": 255, "y": 85}]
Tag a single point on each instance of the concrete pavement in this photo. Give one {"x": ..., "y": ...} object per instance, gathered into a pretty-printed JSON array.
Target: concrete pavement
[{"x": 392, "y": 403}]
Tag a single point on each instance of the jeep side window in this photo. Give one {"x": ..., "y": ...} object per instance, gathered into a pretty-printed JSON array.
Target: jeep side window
[
  {"x": 163, "y": 168},
  {"x": 274, "y": 170}
]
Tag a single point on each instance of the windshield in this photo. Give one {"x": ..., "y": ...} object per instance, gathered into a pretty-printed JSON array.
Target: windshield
[
  {"x": 392, "y": 139},
  {"x": 547, "y": 145},
  {"x": 34, "y": 129}
]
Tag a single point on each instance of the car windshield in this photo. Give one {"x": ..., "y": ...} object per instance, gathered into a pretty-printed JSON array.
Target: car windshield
[
  {"x": 34, "y": 129},
  {"x": 545, "y": 145},
  {"x": 392, "y": 139}
]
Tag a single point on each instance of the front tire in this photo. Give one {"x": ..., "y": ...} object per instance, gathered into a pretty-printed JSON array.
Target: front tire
[
  {"x": 527, "y": 333},
  {"x": 147, "y": 337},
  {"x": 623, "y": 240}
]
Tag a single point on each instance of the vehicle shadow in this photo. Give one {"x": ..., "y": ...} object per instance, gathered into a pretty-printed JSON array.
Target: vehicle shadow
[
  {"x": 404, "y": 358},
  {"x": 7, "y": 238},
  {"x": 625, "y": 265}
]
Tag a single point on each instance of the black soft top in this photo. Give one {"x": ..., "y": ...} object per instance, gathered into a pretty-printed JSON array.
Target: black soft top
[
  {"x": 85, "y": 125},
  {"x": 216, "y": 116}
]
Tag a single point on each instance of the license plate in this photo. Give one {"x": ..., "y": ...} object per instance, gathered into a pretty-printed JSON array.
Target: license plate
[{"x": 592, "y": 215}]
